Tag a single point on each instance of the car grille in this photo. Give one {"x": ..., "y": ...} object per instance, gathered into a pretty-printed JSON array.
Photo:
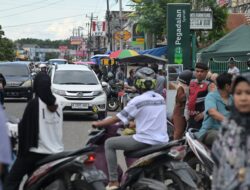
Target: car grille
[
  {"x": 78, "y": 98},
  {"x": 79, "y": 95}
]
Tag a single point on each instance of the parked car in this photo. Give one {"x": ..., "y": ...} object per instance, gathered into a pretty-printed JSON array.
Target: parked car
[
  {"x": 78, "y": 89},
  {"x": 18, "y": 77},
  {"x": 57, "y": 61}
]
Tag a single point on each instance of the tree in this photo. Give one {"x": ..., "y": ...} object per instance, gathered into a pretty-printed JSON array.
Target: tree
[
  {"x": 151, "y": 18},
  {"x": 6, "y": 48}
]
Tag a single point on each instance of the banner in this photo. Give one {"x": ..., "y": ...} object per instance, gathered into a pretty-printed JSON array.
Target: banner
[
  {"x": 99, "y": 28},
  {"x": 178, "y": 35}
]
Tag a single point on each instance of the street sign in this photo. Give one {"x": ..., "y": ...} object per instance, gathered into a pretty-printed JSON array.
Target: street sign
[
  {"x": 76, "y": 40},
  {"x": 122, "y": 35},
  {"x": 201, "y": 20},
  {"x": 178, "y": 15}
]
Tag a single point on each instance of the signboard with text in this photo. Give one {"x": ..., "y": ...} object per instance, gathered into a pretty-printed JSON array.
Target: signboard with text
[
  {"x": 178, "y": 22},
  {"x": 76, "y": 40},
  {"x": 201, "y": 20}
]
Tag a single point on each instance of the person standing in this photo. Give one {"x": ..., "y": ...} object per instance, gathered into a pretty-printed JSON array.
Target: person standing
[
  {"x": 39, "y": 131},
  {"x": 198, "y": 90},
  {"x": 2, "y": 85},
  {"x": 233, "y": 69},
  {"x": 5, "y": 150},
  {"x": 181, "y": 97}
]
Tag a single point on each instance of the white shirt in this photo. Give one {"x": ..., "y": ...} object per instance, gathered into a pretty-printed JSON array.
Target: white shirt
[
  {"x": 149, "y": 112},
  {"x": 50, "y": 130},
  {"x": 234, "y": 71}
]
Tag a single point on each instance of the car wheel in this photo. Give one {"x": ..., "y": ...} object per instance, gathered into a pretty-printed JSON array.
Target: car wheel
[{"x": 102, "y": 115}]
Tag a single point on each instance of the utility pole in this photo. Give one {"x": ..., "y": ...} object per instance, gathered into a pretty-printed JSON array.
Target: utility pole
[
  {"x": 121, "y": 30},
  {"x": 109, "y": 32},
  {"x": 90, "y": 35}
]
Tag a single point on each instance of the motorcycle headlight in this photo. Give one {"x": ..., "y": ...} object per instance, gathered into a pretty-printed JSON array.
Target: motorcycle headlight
[
  {"x": 27, "y": 83},
  {"x": 59, "y": 92},
  {"x": 97, "y": 93}
]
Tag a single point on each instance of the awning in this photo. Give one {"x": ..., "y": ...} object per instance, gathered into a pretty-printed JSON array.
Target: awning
[{"x": 145, "y": 58}]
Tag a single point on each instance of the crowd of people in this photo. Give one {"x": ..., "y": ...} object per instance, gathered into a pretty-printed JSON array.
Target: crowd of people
[{"x": 217, "y": 105}]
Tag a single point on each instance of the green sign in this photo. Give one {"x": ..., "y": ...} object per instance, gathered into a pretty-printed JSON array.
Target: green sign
[{"x": 178, "y": 37}]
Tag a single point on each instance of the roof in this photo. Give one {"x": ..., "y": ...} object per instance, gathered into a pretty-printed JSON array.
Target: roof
[
  {"x": 234, "y": 44},
  {"x": 160, "y": 51},
  {"x": 72, "y": 67},
  {"x": 145, "y": 58}
]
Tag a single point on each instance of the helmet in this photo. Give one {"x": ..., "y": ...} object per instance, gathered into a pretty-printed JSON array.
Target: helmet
[
  {"x": 145, "y": 79},
  {"x": 110, "y": 75},
  {"x": 185, "y": 77},
  {"x": 42, "y": 65}
]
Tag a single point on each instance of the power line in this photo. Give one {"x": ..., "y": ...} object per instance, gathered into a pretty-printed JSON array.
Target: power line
[
  {"x": 31, "y": 10},
  {"x": 42, "y": 21},
  {"x": 25, "y": 5}
]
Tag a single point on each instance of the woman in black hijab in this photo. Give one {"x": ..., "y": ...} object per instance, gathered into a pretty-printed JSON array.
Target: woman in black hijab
[{"x": 39, "y": 131}]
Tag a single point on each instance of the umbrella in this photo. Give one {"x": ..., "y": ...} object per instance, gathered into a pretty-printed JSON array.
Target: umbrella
[
  {"x": 123, "y": 53},
  {"x": 84, "y": 62}
]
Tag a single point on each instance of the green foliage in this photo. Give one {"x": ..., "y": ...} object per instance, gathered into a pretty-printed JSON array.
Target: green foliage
[
  {"x": 151, "y": 18},
  {"x": 45, "y": 43},
  {"x": 6, "y": 48}
]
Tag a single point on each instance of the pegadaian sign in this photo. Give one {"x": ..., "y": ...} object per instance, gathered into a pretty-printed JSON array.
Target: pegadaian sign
[{"x": 178, "y": 37}]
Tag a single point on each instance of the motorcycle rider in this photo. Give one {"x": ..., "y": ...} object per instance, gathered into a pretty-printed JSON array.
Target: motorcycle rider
[
  {"x": 231, "y": 151},
  {"x": 216, "y": 109},
  {"x": 148, "y": 110},
  {"x": 43, "y": 68},
  {"x": 39, "y": 131}
]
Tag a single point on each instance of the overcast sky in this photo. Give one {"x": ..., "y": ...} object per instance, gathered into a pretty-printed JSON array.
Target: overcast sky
[{"x": 50, "y": 19}]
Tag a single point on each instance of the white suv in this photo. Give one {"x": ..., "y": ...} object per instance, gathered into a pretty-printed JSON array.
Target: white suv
[{"x": 78, "y": 89}]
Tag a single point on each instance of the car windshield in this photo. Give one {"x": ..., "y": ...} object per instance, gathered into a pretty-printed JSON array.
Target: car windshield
[
  {"x": 57, "y": 62},
  {"x": 75, "y": 77},
  {"x": 14, "y": 70}
]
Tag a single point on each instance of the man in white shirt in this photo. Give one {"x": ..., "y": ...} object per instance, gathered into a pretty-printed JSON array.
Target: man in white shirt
[
  {"x": 233, "y": 69},
  {"x": 148, "y": 110}
]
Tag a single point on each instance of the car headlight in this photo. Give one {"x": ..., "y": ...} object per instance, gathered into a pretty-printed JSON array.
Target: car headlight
[
  {"x": 59, "y": 92},
  {"x": 98, "y": 93},
  {"x": 27, "y": 83}
]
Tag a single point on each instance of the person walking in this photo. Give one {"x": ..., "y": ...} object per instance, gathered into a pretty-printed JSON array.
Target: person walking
[{"x": 39, "y": 131}]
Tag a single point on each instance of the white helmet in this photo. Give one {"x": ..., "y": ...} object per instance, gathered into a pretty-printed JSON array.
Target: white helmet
[{"x": 42, "y": 65}]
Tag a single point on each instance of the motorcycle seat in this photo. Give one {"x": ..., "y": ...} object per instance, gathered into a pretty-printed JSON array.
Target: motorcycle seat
[
  {"x": 151, "y": 149},
  {"x": 61, "y": 155}
]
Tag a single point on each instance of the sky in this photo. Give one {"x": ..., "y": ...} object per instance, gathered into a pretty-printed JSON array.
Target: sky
[{"x": 51, "y": 19}]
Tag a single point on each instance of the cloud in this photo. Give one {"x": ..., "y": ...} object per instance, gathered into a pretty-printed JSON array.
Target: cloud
[{"x": 62, "y": 30}]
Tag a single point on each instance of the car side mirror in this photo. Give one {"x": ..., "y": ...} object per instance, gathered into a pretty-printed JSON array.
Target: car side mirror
[{"x": 104, "y": 84}]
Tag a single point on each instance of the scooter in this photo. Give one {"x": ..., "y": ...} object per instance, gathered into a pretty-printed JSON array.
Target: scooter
[
  {"x": 62, "y": 171},
  {"x": 160, "y": 162},
  {"x": 199, "y": 158}
]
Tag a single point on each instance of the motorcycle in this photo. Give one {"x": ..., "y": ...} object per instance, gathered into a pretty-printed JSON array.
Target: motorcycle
[
  {"x": 113, "y": 102},
  {"x": 160, "y": 162},
  {"x": 199, "y": 158},
  {"x": 66, "y": 170}
]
